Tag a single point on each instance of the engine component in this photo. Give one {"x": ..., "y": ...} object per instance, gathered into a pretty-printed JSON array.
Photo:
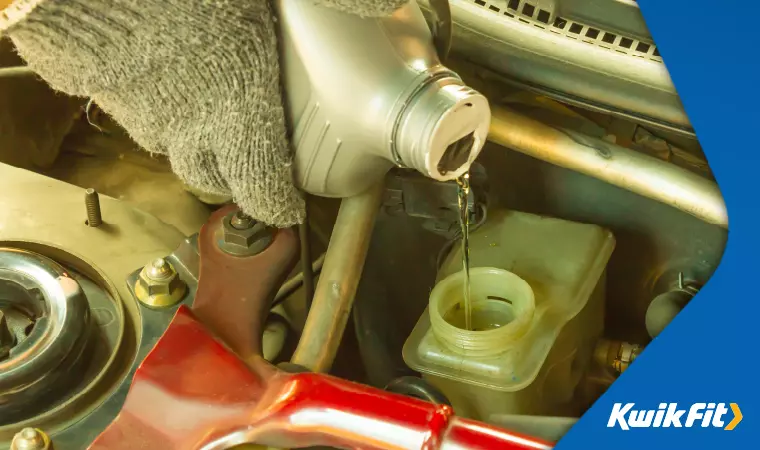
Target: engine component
[
  {"x": 335, "y": 290},
  {"x": 617, "y": 355},
  {"x": 405, "y": 107},
  {"x": 435, "y": 202},
  {"x": 597, "y": 55},
  {"x": 379, "y": 333},
  {"x": 159, "y": 285},
  {"x": 121, "y": 245},
  {"x": 98, "y": 260},
  {"x": 240, "y": 394},
  {"x": 92, "y": 204},
  {"x": 275, "y": 334},
  {"x": 18, "y": 71},
  {"x": 307, "y": 270},
  {"x": 55, "y": 326},
  {"x": 105, "y": 343},
  {"x": 258, "y": 403},
  {"x": 537, "y": 285},
  {"x": 616, "y": 165},
  {"x": 30, "y": 439},
  {"x": 666, "y": 306},
  {"x": 418, "y": 388},
  {"x": 294, "y": 283},
  {"x": 238, "y": 289},
  {"x": 241, "y": 235},
  {"x": 186, "y": 260}
]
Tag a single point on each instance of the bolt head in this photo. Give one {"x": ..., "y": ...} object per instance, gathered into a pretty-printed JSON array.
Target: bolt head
[
  {"x": 29, "y": 439},
  {"x": 159, "y": 269},
  {"x": 242, "y": 221}
]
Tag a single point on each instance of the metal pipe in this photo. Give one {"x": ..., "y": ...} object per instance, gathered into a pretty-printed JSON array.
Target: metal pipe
[
  {"x": 18, "y": 71},
  {"x": 306, "y": 262},
  {"x": 628, "y": 169},
  {"x": 336, "y": 288}
]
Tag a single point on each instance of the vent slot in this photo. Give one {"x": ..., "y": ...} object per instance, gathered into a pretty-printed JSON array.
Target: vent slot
[
  {"x": 544, "y": 16},
  {"x": 529, "y": 13}
]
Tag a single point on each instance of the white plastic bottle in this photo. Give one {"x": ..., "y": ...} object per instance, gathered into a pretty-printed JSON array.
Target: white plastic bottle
[{"x": 364, "y": 94}]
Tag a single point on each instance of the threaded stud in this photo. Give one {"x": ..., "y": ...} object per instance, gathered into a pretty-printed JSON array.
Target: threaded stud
[{"x": 92, "y": 203}]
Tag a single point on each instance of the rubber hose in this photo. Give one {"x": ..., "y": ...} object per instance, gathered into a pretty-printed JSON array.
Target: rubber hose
[{"x": 418, "y": 388}]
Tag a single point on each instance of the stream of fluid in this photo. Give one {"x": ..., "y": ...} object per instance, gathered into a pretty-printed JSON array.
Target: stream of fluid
[{"x": 463, "y": 192}]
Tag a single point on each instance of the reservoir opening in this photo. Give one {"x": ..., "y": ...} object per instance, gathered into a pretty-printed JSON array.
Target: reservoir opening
[{"x": 487, "y": 314}]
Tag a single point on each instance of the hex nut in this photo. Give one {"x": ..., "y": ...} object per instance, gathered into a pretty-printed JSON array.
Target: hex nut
[
  {"x": 159, "y": 292},
  {"x": 245, "y": 241}
]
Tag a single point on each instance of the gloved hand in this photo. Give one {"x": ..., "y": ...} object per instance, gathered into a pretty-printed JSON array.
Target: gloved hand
[{"x": 197, "y": 80}]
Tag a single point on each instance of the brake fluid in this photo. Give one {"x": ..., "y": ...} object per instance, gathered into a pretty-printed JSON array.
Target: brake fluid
[{"x": 364, "y": 94}]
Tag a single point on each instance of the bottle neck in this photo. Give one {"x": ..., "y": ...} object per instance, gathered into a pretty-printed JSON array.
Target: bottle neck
[{"x": 442, "y": 129}]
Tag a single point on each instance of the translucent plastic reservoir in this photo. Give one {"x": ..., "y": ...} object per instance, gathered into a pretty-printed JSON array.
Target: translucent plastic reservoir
[{"x": 537, "y": 290}]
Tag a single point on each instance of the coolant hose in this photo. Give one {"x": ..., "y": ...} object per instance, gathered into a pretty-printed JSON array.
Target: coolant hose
[{"x": 418, "y": 388}]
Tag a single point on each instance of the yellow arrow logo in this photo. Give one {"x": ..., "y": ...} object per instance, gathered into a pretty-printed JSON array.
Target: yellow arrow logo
[{"x": 737, "y": 417}]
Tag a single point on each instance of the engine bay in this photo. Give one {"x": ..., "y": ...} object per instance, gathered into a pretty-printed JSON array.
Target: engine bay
[{"x": 134, "y": 305}]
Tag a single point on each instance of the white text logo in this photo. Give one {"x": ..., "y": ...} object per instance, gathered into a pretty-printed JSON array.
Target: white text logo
[{"x": 669, "y": 415}]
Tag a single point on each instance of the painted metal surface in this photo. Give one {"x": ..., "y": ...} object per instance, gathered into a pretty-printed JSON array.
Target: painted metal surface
[
  {"x": 191, "y": 392},
  {"x": 235, "y": 293}
]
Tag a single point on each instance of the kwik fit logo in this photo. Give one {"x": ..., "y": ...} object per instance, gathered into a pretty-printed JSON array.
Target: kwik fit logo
[{"x": 669, "y": 415}]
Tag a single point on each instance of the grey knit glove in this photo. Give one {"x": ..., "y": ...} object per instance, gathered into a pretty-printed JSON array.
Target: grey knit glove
[{"x": 197, "y": 80}]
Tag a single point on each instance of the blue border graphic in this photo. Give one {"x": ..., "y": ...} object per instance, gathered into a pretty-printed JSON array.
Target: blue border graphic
[{"x": 710, "y": 352}]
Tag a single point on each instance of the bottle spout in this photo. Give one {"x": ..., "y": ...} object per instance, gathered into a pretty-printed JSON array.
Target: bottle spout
[
  {"x": 443, "y": 129},
  {"x": 456, "y": 155}
]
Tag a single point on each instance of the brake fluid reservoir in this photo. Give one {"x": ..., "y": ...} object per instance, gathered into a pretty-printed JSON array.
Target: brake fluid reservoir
[
  {"x": 537, "y": 289},
  {"x": 363, "y": 94}
]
